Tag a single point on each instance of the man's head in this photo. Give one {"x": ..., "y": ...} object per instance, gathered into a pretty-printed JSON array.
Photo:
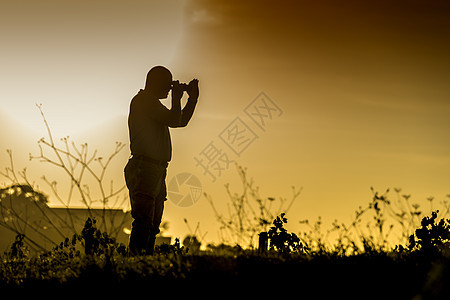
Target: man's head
[{"x": 159, "y": 82}]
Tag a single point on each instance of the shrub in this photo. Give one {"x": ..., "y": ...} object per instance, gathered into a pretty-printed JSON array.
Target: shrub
[
  {"x": 282, "y": 241},
  {"x": 432, "y": 237},
  {"x": 18, "y": 248}
]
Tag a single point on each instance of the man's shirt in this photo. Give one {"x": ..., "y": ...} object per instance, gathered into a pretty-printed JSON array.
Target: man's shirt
[{"x": 148, "y": 123}]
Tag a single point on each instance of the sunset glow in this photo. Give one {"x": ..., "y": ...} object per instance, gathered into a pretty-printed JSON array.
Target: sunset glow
[{"x": 359, "y": 92}]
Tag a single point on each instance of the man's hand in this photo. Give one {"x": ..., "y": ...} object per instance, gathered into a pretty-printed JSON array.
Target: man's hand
[
  {"x": 177, "y": 90},
  {"x": 192, "y": 89}
]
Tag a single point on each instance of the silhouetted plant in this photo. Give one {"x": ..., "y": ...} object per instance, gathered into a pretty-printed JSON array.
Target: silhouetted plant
[
  {"x": 196, "y": 237},
  {"x": 316, "y": 238},
  {"x": 77, "y": 162},
  {"x": 224, "y": 249},
  {"x": 176, "y": 248},
  {"x": 432, "y": 237},
  {"x": 97, "y": 242},
  {"x": 18, "y": 248},
  {"x": 192, "y": 244},
  {"x": 248, "y": 212},
  {"x": 373, "y": 226},
  {"x": 282, "y": 241}
]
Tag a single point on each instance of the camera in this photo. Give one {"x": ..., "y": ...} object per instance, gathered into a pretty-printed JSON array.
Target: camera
[{"x": 183, "y": 86}]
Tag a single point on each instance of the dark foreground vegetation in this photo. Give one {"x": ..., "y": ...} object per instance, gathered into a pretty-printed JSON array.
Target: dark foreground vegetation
[{"x": 419, "y": 270}]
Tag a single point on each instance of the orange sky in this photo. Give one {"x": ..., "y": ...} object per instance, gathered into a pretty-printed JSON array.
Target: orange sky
[{"x": 363, "y": 87}]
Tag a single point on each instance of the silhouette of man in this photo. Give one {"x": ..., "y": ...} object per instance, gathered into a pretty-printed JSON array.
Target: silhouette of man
[{"x": 151, "y": 150}]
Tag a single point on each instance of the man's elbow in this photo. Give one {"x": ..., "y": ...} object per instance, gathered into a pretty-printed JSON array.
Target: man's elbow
[
  {"x": 174, "y": 121},
  {"x": 183, "y": 121},
  {"x": 178, "y": 124},
  {"x": 182, "y": 124}
]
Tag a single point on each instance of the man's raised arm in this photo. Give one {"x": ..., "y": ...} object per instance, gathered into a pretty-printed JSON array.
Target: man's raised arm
[{"x": 189, "y": 108}]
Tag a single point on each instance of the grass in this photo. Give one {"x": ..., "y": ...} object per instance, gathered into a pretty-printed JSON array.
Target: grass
[
  {"x": 419, "y": 270},
  {"x": 400, "y": 277}
]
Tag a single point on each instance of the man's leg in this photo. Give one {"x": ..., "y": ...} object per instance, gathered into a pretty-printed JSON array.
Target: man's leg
[
  {"x": 142, "y": 210},
  {"x": 159, "y": 207},
  {"x": 157, "y": 215},
  {"x": 138, "y": 238}
]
